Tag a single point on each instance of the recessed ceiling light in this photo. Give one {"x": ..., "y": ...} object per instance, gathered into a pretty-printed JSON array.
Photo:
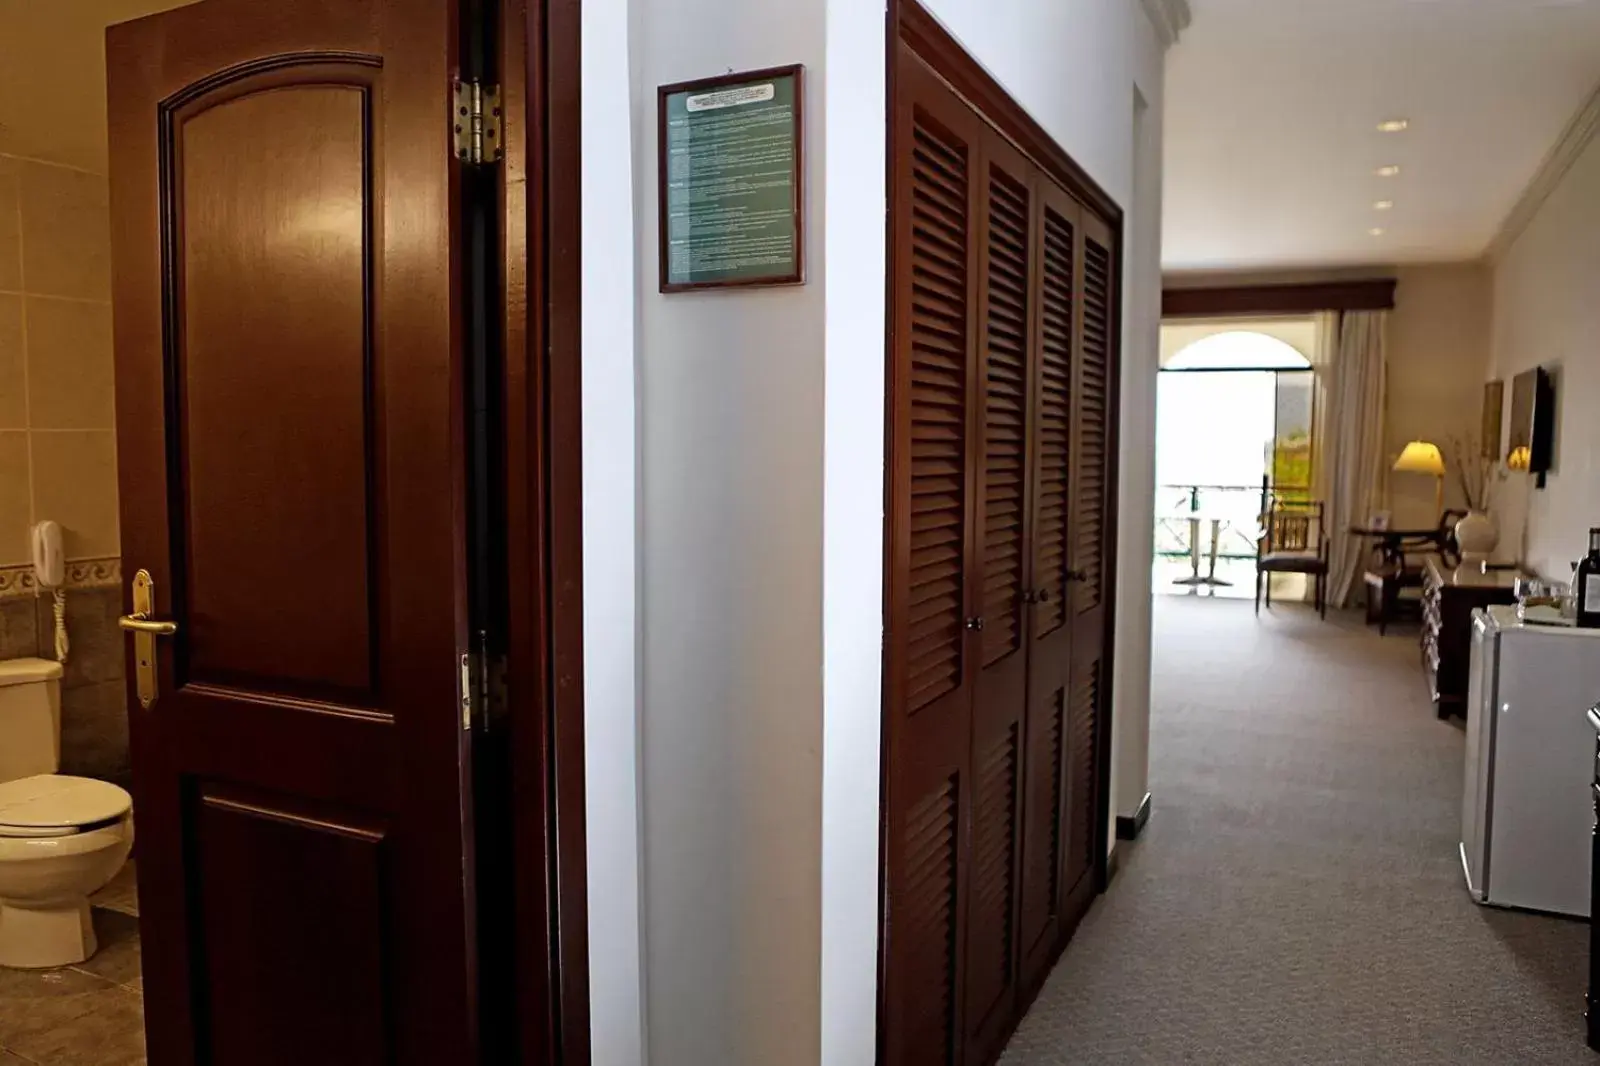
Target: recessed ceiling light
[
  {"x": 1382, "y": 205},
  {"x": 1394, "y": 125},
  {"x": 1389, "y": 171},
  {"x": 1375, "y": 231}
]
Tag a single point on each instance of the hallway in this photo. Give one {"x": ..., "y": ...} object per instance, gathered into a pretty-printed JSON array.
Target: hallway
[{"x": 1297, "y": 895}]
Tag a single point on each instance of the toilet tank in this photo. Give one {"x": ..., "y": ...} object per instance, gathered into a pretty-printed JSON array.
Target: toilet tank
[{"x": 30, "y": 718}]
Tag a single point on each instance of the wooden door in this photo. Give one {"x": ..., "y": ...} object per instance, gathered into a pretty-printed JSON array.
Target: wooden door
[
  {"x": 1001, "y": 560},
  {"x": 290, "y": 427},
  {"x": 1056, "y": 222},
  {"x": 1091, "y": 548},
  {"x": 934, "y": 648}
]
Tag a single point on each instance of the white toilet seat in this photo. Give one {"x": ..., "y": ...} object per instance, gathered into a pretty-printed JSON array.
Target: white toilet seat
[{"x": 59, "y": 805}]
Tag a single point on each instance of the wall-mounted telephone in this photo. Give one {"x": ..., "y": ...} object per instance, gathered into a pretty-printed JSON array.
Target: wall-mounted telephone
[
  {"x": 49, "y": 561},
  {"x": 50, "y": 570}
]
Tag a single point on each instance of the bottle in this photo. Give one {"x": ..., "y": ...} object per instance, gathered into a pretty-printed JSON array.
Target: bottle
[{"x": 1586, "y": 584}]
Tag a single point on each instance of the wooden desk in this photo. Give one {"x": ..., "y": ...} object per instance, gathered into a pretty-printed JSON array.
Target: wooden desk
[
  {"x": 1449, "y": 596},
  {"x": 1393, "y": 545}
]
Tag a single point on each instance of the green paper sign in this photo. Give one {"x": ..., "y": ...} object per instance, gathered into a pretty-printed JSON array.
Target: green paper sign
[{"x": 730, "y": 175}]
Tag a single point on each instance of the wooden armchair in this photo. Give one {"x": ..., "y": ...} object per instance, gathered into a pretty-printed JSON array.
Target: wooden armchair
[{"x": 1293, "y": 541}]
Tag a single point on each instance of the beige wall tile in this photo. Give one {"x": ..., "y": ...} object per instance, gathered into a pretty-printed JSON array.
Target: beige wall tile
[
  {"x": 70, "y": 382},
  {"x": 14, "y": 543},
  {"x": 13, "y": 399},
  {"x": 10, "y": 232},
  {"x": 75, "y": 483},
  {"x": 66, "y": 232}
]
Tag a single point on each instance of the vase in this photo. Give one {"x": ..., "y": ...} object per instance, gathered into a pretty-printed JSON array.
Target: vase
[{"x": 1476, "y": 537}]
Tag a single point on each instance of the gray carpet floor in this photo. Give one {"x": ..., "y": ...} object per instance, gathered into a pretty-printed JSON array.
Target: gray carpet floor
[{"x": 1297, "y": 896}]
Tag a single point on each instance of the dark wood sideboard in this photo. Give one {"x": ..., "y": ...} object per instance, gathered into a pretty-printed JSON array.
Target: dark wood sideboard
[
  {"x": 1591, "y": 1003},
  {"x": 1449, "y": 596}
]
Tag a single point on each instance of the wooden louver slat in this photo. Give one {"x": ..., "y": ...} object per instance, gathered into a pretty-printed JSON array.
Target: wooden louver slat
[
  {"x": 995, "y": 826},
  {"x": 938, "y": 332},
  {"x": 925, "y": 916},
  {"x": 1005, "y": 411},
  {"x": 1082, "y": 743},
  {"x": 1092, "y": 415},
  {"x": 1055, "y": 421},
  {"x": 1042, "y": 855}
]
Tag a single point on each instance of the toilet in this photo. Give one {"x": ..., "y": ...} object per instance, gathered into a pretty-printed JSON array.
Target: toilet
[{"x": 61, "y": 838}]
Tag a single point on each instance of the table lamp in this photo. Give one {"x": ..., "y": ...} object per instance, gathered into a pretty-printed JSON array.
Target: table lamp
[{"x": 1420, "y": 457}]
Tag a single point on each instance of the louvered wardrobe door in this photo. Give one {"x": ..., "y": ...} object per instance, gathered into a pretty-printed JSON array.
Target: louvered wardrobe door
[
  {"x": 1056, "y": 311},
  {"x": 1001, "y": 497},
  {"x": 1090, "y": 546},
  {"x": 934, "y": 652}
]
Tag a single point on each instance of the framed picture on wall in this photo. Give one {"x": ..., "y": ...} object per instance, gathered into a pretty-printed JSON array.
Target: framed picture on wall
[
  {"x": 1494, "y": 402},
  {"x": 731, "y": 183}
]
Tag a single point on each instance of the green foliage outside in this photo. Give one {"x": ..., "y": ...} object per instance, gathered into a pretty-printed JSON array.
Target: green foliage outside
[{"x": 1291, "y": 461}]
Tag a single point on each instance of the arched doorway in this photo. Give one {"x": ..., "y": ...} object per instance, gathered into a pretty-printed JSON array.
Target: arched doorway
[{"x": 1235, "y": 407}]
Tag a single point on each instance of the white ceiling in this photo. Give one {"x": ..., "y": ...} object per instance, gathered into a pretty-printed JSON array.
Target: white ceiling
[
  {"x": 53, "y": 76},
  {"x": 1272, "y": 109}
]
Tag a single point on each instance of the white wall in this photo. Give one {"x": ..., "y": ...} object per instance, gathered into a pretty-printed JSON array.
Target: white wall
[
  {"x": 1438, "y": 351},
  {"x": 736, "y": 484},
  {"x": 856, "y": 95},
  {"x": 1072, "y": 64},
  {"x": 1141, "y": 359},
  {"x": 610, "y": 608},
  {"x": 732, "y": 424},
  {"x": 1546, "y": 314}
]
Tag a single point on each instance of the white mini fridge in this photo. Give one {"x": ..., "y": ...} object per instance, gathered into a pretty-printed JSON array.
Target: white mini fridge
[{"x": 1528, "y": 810}]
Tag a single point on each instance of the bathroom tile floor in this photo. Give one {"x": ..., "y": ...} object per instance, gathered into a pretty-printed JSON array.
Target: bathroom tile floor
[{"x": 86, "y": 1015}]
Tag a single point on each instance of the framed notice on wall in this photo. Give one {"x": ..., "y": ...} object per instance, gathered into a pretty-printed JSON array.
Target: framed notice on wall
[{"x": 731, "y": 194}]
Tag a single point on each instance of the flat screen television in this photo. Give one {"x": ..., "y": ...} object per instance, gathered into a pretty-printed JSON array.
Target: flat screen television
[{"x": 1533, "y": 413}]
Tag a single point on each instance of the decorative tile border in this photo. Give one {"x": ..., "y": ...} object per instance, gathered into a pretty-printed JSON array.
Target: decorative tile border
[{"x": 81, "y": 574}]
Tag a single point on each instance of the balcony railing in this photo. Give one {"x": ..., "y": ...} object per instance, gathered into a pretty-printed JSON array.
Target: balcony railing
[{"x": 1184, "y": 512}]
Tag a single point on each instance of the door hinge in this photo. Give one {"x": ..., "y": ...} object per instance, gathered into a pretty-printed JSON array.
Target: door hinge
[
  {"x": 483, "y": 690},
  {"x": 475, "y": 117}
]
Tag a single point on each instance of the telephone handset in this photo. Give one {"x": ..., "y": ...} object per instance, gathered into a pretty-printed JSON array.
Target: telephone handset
[
  {"x": 50, "y": 569},
  {"x": 49, "y": 561}
]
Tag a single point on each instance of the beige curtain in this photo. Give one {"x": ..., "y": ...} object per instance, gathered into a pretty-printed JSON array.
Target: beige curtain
[
  {"x": 1322, "y": 355},
  {"x": 1353, "y": 444}
]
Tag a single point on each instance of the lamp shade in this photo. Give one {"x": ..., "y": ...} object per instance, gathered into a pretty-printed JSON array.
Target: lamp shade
[{"x": 1420, "y": 457}]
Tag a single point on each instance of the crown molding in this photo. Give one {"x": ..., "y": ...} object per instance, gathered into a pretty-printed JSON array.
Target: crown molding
[
  {"x": 1571, "y": 144},
  {"x": 1169, "y": 17}
]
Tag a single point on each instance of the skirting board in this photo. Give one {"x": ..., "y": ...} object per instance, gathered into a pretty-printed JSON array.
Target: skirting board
[{"x": 1129, "y": 827}]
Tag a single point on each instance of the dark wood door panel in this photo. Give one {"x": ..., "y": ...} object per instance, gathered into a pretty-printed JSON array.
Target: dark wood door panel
[
  {"x": 1003, "y": 311},
  {"x": 991, "y": 956},
  {"x": 290, "y": 436},
  {"x": 933, "y": 645},
  {"x": 1042, "y": 832},
  {"x": 1092, "y": 546},
  {"x": 294, "y": 927},
  {"x": 1083, "y": 726},
  {"x": 316, "y": 752},
  {"x": 273, "y": 458},
  {"x": 1001, "y": 557},
  {"x": 924, "y": 925}
]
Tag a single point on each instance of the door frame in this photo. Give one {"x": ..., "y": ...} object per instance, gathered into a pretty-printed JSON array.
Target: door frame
[
  {"x": 909, "y": 22},
  {"x": 540, "y": 90}
]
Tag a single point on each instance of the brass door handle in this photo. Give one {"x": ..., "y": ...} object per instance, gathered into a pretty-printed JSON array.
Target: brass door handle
[
  {"x": 145, "y": 630},
  {"x": 138, "y": 623}
]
